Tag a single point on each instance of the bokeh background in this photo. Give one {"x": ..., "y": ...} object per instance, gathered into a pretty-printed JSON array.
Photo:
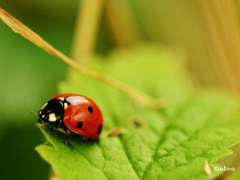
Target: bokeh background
[{"x": 201, "y": 33}]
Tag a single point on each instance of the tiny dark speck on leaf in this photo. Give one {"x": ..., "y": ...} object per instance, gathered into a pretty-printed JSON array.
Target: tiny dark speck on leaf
[{"x": 136, "y": 122}]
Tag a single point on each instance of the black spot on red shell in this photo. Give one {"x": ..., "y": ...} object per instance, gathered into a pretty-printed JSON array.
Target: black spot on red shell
[
  {"x": 90, "y": 109},
  {"x": 99, "y": 129},
  {"x": 79, "y": 124}
]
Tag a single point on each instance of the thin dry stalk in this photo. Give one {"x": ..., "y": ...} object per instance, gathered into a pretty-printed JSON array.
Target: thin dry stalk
[{"x": 20, "y": 28}]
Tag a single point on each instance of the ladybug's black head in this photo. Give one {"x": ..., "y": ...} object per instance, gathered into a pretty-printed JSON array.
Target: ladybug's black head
[{"x": 52, "y": 111}]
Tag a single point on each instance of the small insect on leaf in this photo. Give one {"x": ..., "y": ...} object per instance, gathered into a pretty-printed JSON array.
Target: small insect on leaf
[{"x": 135, "y": 122}]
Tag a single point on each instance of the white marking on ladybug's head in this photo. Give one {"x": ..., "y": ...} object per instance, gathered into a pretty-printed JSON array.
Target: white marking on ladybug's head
[
  {"x": 43, "y": 115},
  {"x": 65, "y": 105},
  {"x": 52, "y": 117},
  {"x": 61, "y": 98}
]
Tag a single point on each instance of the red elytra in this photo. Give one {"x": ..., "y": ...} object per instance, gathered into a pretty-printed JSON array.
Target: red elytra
[{"x": 82, "y": 116}]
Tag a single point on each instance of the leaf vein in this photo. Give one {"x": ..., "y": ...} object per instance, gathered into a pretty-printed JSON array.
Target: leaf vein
[{"x": 125, "y": 150}]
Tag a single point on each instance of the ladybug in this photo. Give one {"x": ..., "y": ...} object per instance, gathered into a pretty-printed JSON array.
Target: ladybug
[{"x": 77, "y": 113}]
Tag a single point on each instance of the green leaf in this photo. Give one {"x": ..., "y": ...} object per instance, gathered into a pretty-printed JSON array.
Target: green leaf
[{"x": 158, "y": 144}]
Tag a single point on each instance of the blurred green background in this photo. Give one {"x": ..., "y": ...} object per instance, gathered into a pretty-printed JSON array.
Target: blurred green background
[{"x": 203, "y": 34}]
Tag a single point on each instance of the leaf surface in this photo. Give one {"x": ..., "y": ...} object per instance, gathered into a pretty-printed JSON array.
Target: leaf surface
[{"x": 172, "y": 143}]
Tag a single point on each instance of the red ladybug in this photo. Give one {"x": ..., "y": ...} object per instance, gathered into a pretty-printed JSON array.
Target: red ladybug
[{"x": 78, "y": 113}]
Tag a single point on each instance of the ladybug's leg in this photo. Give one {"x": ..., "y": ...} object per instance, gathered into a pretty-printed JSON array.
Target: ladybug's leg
[
  {"x": 87, "y": 139},
  {"x": 54, "y": 127},
  {"x": 67, "y": 142},
  {"x": 51, "y": 130}
]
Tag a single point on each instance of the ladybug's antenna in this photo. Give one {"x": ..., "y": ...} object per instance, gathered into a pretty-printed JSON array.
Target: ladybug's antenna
[{"x": 33, "y": 113}]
